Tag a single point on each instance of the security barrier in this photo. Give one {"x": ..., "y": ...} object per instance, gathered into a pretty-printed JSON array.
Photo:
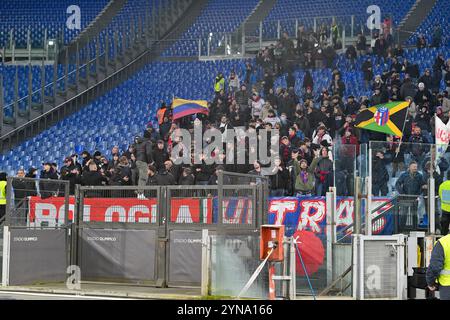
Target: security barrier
[
  {"x": 135, "y": 235},
  {"x": 36, "y": 244}
]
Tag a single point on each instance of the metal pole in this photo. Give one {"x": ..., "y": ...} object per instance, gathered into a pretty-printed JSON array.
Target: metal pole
[
  {"x": 88, "y": 62},
  {"x": 66, "y": 70},
  {"x": 343, "y": 38},
  {"x": 11, "y": 36},
  {"x": 369, "y": 196},
  {"x": 106, "y": 54},
  {"x": 97, "y": 55},
  {"x": 42, "y": 81},
  {"x": 55, "y": 76},
  {"x": 284, "y": 286},
  {"x": 45, "y": 47},
  {"x": 2, "y": 103},
  {"x": 260, "y": 34},
  {"x": 30, "y": 89},
  {"x": 13, "y": 53},
  {"x": 205, "y": 263},
  {"x": 278, "y": 29},
  {"x": 293, "y": 273},
  {"x": 329, "y": 235},
  {"x": 315, "y": 24},
  {"x": 220, "y": 198},
  {"x": 16, "y": 94},
  {"x": 29, "y": 45},
  {"x": 352, "y": 33},
  {"x": 431, "y": 206},
  {"x": 243, "y": 39},
  {"x": 357, "y": 222},
  {"x": 116, "y": 47},
  {"x": 199, "y": 48},
  {"x": 77, "y": 67},
  {"x": 296, "y": 28}
]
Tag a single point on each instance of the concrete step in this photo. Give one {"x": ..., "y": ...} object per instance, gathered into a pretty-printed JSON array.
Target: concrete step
[{"x": 418, "y": 12}]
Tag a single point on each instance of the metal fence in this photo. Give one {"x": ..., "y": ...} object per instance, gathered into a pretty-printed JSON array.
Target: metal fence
[{"x": 137, "y": 235}]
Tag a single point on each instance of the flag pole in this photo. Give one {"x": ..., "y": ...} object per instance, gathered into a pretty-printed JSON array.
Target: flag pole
[{"x": 403, "y": 129}]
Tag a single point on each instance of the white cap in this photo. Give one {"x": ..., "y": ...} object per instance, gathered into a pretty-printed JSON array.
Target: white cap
[{"x": 421, "y": 85}]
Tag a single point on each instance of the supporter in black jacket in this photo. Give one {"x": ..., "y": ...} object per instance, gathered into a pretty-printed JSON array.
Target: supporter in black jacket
[
  {"x": 122, "y": 173},
  {"x": 381, "y": 175},
  {"x": 164, "y": 178},
  {"x": 160, "y": 155},
  {"x": 352, "y": 106},
  {"x": 187, "y": 178},
  {"x": 47, "y": 188},
  {"x": 86, "y": 156},
  {"x": 279, "y": 180},
  {"x": 203, "y": 171},
  {"x": 71, "y": 173},
  {"x": 93, "y": 177},
  {"x": 23, "y": 188}
]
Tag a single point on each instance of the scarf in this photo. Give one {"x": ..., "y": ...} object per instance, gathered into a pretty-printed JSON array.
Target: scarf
[
  {"x": 304, "y": 176},
  {"x": 323, "y": 175}
]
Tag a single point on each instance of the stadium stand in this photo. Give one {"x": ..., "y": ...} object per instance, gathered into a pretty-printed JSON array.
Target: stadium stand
[
  {"x": 437, "y": 16},
  {"x": 37, "y": 16},
  {"x": 305, "y": 11},
  {"x": 121, "y": 114},
  {"x": 217, "y": 17},
  {"x": 116, "y": 118}
]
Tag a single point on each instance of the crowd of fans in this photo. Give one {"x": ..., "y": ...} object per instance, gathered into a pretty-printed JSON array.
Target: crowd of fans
[{"x": 309, "y": 122}]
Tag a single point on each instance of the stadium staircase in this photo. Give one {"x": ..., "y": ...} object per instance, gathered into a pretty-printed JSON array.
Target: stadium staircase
[
  {"x": 102, "y": 20},
  {"x": 419, "y": 11},
  {"x": 107, "y": 74},
  {"x": 260, "y": 13},
  {"x": 178, "y": 29}
]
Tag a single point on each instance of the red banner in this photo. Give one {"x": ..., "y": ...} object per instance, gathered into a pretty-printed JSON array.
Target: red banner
[{"x": 130, "y": 210}]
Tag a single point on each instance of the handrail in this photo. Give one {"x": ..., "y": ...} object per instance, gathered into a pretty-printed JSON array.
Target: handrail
[
  {"x": 140, "y": 56},
  {"x": 52, "y": 83},
  {"x": 333, "y": 284}
]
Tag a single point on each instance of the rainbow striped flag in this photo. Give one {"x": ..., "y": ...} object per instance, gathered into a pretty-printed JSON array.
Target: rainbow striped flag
[{"x": 182, "y": 108}]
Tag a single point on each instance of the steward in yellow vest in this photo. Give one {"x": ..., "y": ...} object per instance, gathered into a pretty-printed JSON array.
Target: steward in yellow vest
[
  {"x": 444, "y": 195},
  {"x": 439, "y": 268}
]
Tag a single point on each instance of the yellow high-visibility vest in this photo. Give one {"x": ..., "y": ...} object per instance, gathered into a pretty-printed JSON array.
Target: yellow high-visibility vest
[
  {"x": 2, "y": 192},
  {"x": 219, "y": 85},
  {"x": 444, "y": 194},
  {"x": 444, "y": 277}
]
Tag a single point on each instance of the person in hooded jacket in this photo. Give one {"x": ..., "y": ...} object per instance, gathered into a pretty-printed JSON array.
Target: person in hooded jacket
[
  {"x": 71, "y": 173},
  {"x": 86, "y": 157},
  {"x": 159, "y": 155},
  {"x": 47, "y": 188}
]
